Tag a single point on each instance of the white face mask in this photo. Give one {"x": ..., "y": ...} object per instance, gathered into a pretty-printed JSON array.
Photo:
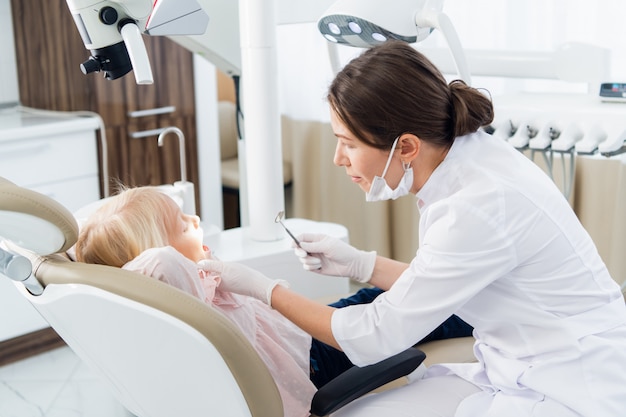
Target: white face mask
[{"x": 380, "y": 190}]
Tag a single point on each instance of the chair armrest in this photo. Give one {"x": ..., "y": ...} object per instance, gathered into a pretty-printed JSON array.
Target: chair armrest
[{"x": 356, "y": 381}]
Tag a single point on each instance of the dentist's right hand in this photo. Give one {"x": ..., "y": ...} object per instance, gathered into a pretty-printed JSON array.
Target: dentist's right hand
[{"x": 331, "y": 256}]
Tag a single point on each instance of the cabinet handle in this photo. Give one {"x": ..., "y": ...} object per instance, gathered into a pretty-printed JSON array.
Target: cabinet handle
[
  {"x": 8, "y": 151},
  {"x": 151, "y": 112},
  {"x": 146, "y": 133}
]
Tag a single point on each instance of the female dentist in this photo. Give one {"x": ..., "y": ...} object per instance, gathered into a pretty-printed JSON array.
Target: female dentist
[{"x": 499, "y": 246}]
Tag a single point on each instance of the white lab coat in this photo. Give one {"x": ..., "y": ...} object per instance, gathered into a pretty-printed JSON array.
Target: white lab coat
[{"x": 501, "y": 248}]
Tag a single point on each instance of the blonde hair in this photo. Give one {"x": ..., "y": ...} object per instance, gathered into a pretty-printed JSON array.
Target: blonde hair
[{"x": 132, "y": 221}]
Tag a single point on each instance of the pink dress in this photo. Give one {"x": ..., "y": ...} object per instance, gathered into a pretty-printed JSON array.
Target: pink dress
[{"x": 281, "y": 345}]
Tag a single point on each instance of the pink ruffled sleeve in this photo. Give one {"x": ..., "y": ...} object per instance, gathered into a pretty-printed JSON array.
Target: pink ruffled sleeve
[{"x": 171, "y": 267}]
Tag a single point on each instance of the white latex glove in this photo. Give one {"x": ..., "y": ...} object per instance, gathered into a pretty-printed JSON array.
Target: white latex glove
[
  {"x": 243, "y": 280},
  {"x": 331, "y": 256}
]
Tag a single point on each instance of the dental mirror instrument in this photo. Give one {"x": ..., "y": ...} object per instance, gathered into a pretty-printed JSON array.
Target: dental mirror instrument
[{"x": 279, "y": 219}]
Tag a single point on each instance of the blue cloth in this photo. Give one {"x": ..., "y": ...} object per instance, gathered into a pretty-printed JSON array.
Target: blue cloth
[{"x": 328, "y": 362}]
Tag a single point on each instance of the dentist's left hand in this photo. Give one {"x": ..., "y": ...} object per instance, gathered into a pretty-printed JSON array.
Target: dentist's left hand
[{"x": 243, "y": 280}]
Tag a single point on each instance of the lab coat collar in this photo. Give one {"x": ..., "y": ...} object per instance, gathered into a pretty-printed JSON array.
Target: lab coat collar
[{"x": 443, "y": 178}]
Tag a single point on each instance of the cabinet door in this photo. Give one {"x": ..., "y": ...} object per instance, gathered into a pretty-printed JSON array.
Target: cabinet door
[
  {"x": 62, "y": 165},
  {"x": 49, "y": 51}
]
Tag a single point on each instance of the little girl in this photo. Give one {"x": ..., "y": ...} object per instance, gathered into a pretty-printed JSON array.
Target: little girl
[{"x": 144, "y": 230}]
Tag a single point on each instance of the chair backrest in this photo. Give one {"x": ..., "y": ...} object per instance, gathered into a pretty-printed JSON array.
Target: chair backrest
[{"x": 161, "y": 351}]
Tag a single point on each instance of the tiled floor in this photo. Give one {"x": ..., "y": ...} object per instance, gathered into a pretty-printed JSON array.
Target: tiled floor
[{"x": 54, "y": 384}]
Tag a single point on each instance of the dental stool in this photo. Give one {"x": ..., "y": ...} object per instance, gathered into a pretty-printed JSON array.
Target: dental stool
[{"x": 161, "y": 351}]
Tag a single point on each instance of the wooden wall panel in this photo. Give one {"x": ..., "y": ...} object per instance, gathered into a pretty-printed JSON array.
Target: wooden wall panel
[{"x": 49, "y": 51}]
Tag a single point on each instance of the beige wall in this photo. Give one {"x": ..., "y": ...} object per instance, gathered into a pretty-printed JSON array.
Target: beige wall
[{"x": 225, "y": 87}]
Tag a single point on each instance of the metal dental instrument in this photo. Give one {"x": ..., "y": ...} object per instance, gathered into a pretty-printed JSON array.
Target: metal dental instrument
[{"x": 279, "y": 219}]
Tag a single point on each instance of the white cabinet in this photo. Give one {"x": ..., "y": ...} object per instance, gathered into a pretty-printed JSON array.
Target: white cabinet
[{"x": 58, "y": 157}]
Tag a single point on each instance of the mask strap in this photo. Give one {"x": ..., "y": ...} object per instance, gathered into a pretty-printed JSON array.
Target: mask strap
[{"x": 393, "y": 148}]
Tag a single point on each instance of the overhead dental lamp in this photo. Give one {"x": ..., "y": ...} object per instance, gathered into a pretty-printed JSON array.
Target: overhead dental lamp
[
  {"x": 365, "y": 23},
  {"x": 112, "y": 29}
]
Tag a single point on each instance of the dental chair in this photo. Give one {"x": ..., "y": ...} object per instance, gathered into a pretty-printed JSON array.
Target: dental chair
[{"x": 161, "y": 351}]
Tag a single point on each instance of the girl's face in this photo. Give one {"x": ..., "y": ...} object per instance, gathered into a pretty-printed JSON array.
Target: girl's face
[
  {"x": 363, "y": 162},
  {"x": 184, "y": 233}
]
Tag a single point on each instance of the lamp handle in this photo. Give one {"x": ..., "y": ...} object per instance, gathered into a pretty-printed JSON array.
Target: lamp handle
[
  {"x": 444, "y": 24},
  {"x": 333, "y": 54},
  {"x": 137, "y": 53}
]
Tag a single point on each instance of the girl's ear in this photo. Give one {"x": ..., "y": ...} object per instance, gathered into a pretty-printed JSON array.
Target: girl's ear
[{"x": 410, "y": 146}]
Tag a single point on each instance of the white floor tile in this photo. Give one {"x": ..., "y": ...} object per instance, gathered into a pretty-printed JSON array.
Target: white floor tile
[
  {"x": 83, "y": 372},
  {"x": 85, "y": 399},
  {"x": 55, "y": 384},
  {"x": 55, "y": 365},
  {"x": 27, "y": 398}
]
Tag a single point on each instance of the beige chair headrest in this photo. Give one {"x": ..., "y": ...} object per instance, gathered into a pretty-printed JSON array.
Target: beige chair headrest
[{"x": 35, "y": 209}]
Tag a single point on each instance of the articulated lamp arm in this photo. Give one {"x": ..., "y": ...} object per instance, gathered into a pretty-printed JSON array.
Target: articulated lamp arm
[{"x": 442, "y": 22}]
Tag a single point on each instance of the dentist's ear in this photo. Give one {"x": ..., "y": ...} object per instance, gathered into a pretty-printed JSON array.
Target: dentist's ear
[{"x": 409, "y": 147}]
